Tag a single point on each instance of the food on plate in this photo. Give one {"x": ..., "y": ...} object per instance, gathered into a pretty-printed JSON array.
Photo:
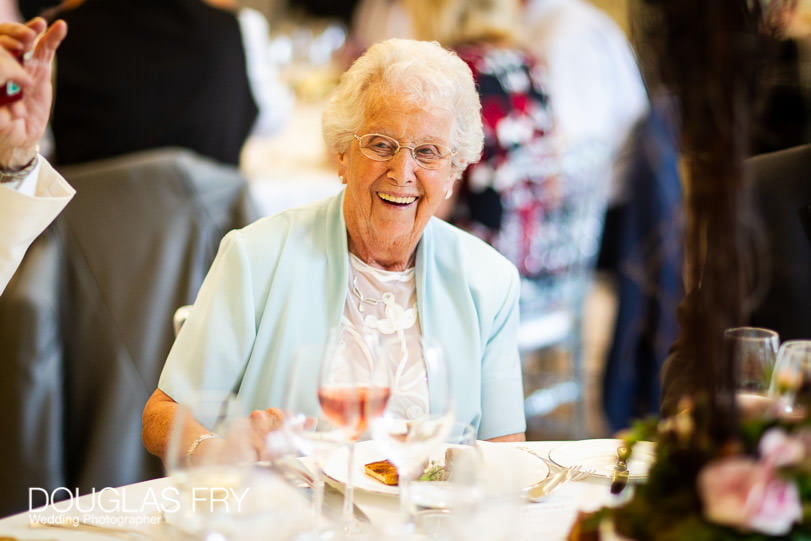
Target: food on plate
[
  {"x": 386, "y": 472},
  {"x": 434, "y": 472},
  {"x": 383, "y": 471}
]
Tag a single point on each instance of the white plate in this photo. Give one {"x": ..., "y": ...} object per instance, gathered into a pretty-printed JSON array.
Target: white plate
[
  {"x": 600, "y": 456},
  {"x": 528, "y": 469}
]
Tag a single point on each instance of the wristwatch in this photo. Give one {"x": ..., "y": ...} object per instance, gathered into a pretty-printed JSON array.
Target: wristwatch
[{"x": 13, "y": 178}]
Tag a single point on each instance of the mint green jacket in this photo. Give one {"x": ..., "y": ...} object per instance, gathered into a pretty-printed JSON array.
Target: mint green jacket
[{"x": 281, "y": 283}]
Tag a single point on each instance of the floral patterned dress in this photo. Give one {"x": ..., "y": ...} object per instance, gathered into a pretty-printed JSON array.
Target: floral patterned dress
[{"x": 505, "y": 197}]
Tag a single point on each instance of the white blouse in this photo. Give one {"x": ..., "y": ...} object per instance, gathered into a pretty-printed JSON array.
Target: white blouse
[{"x": 385, "y": 303}]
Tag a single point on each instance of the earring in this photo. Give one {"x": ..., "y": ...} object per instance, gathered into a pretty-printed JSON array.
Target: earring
[
  {"x": 449, "y": 193},
  {"x": 341, "y": 178}
]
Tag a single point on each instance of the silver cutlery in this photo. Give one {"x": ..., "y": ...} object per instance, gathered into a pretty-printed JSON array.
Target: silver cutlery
[
  {"x": 558, "y": 475},
  {"x": 544, "y": 488},
  {"x": 552, "y": 465}
]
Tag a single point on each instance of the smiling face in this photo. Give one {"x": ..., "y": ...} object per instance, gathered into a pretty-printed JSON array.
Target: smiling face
[{"x": 387, "y": 204}]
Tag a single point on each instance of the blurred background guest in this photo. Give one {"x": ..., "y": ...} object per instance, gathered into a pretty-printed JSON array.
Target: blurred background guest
[
  {"x": 778, "y": 226},
  {"x": 158, "y": 73},
  {"x": 501, "y": 198},
  {"x": 600, "y": 103},
  {"x": 31, "y": 194},
  {"x": 376, "y": 20},
  {"x": 597, "y": 90},
  {"x": 646, "y": 235}
]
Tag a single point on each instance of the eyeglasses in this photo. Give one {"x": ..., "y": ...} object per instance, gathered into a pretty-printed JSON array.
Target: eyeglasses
[{"x": 381, "y": 148}]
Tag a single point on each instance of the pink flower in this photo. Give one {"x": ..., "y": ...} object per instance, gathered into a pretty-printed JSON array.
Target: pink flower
[
  {"x": 779, "y": 449},
  {"x": 739, "y": 492}
]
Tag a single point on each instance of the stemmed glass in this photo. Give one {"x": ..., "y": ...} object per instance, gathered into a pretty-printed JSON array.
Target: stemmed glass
[
  {"x": 448, "y": 493},
  {"x": 353, "y": 389},
  {"x": 404, "y": 433},
  {"x": 791, "y": 381},
  {"x": 475, "y": 498},
  {"x": 211, "y": 481},
  {"x": 311, "y": 432},
  {"x": 754, "y": 350}
]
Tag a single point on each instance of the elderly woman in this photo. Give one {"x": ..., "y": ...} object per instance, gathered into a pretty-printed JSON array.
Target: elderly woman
[{"x": 404, "y": 122}]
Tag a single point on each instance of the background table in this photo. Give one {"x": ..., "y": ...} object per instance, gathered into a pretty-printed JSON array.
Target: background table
[{"x": 292, "y": 168}]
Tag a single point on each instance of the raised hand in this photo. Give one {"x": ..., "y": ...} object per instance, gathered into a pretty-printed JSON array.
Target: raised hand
[{"x": 23, "y": 122}]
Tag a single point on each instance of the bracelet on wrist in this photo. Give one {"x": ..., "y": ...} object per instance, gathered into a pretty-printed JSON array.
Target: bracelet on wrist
[{"x": 196, "y": 443}]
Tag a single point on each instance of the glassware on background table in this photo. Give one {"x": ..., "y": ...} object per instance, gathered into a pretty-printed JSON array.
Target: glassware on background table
[
  {"x": 211, "y": 482},
  {"x": 406, "y": 437},
  {"x": 353, "y": 390},
  {"x": 791, "y": 380},
  {"x": 754, "y": 351}
]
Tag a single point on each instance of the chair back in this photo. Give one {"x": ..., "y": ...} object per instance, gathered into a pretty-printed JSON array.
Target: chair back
[
  {"x": 134, "y": 244},
  {"x": 552, "y": 299},
  {"x": 565, "y": 250}
]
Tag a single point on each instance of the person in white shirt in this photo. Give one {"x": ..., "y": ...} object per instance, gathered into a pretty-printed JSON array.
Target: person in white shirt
[
  {"x": 32, "y": 193},
  {"x": 594, "y": 83}
]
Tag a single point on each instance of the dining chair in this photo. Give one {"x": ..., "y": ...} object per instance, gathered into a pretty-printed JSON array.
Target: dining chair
[
  {"x": 180, "y": 316},
  {"x": 132, "y": 246},
  {"x": 552, "y": 302}
]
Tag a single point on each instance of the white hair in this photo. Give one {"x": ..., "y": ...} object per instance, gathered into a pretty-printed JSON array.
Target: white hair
[{"x": 421, "y": 72}]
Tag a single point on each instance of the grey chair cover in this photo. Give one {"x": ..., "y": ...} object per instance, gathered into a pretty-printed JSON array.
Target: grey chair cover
[{"x": 86, "y": 323}]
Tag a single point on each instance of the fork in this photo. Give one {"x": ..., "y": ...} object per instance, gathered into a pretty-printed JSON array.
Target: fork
[
  {"x": 552, "y": 465},
  {"x": 542, "y": 489}
]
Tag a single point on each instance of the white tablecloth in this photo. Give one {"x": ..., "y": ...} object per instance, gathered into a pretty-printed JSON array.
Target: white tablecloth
[{"x": 549, "y": 520}]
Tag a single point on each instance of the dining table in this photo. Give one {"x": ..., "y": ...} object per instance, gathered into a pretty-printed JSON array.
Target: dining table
[{"x": 135, "y": 511}]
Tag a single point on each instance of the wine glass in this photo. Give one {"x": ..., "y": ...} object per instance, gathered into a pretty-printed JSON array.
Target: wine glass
[
  {"x": 791, "y": 381},
  {"x": 754, "y": 350},
  {"x": 406, "y": 433},
  {"x": 353, "y": 389},
  {"x": 310, "y": 431},
  {"x": 209, "y": 472},
  {"x": 448, "y": 491},
  {"x": 472, "y": 498}
]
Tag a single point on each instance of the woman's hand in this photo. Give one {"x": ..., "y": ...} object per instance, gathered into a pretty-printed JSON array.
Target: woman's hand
[
  {"x": 263, "y": 422},
  {"x": 23, "y": 122}
]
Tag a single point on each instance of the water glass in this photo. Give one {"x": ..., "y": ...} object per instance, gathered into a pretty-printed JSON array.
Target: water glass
[
  {"x": 405, "y": 435},
  {"x": 754, "y": 350},
  {"x": 210, "y": 483},
  {"x": 791, "y": 381}
]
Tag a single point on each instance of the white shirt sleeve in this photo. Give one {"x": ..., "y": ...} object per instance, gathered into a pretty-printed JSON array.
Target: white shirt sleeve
[
  {"x": 272, "y": 96},
  {"x": 26, "y": 212}
]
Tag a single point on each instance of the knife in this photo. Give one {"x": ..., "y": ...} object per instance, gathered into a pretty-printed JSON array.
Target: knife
[{"x": 619, "y": 478}]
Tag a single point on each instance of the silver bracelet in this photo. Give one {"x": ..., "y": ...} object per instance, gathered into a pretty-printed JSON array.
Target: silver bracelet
[{"x": 196, "y": 443}]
